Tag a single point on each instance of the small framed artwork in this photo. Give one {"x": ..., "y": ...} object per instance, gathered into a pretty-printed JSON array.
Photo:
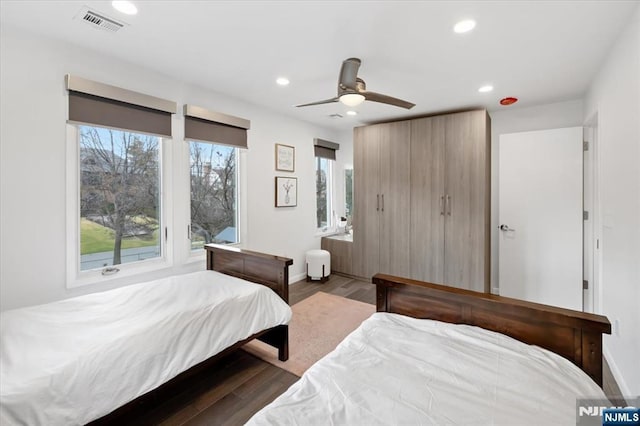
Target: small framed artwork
[
  {"x": 286, "y": 191},
  {"x": 285, "y": 158}
]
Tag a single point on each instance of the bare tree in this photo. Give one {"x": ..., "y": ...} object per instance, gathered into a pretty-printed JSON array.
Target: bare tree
[
  {"x": 119, "y": 181},
  {"x": 321, "y": 194},
  {"x": 213, "y": 186}
]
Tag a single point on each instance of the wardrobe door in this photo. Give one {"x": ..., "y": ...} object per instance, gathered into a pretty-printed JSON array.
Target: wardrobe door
[
  {"x": 427, "y": 199},
  {"x": 366, "y": 201},
  {"x": 467, "y": 199},
  {"x": 395, "y": 191}
]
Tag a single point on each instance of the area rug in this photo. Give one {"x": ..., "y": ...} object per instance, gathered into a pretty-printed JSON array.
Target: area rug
[{"x": 318, "y": 324}]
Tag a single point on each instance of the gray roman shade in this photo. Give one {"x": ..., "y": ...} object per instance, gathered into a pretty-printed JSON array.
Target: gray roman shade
[
  {"x": 209, "y": 126},
  {"x": 325, "y": 149},
  {"x": 100, "y": 104}
]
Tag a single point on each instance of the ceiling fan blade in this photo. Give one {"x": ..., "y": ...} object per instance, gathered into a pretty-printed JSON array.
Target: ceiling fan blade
[
  {"x": 384, "y": 99},
  {"x": 348, "y": 74},
  {"x": 326, "y": 101}
]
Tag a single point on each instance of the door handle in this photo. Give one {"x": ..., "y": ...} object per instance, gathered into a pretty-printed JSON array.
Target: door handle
[
  {"x": 448, "y": 203},
  {"x": 442, "y": 205},
  {"x": 505, "y": 228},
  {"x": 377, "y": 202},
  {"x": 382, "y": 202}
]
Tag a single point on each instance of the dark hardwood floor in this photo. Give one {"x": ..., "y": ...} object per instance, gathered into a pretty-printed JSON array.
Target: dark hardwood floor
[
  {"x": 363, "y": 291},
  {"x": 239, "y": 385}
]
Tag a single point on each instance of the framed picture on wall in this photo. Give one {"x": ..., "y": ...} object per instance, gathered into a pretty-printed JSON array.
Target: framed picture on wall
[
  {"x": 285, "y": 158},
  {"x": 286, "y": 191}
]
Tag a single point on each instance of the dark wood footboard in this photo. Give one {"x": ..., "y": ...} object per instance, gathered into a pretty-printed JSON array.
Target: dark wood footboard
[
  {"x": 269, "y": 270},
  {"x": 266, "y": 269},
  {"x": 574, "y": 335}
]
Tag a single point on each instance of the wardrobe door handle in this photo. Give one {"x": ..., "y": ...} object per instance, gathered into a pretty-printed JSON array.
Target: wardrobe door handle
[
  {"x": 377, "y": 202},
  {"x": 449, "y": 204},
  {"x": 442, "y": 205},
  {"x": 382, "y": 202}
]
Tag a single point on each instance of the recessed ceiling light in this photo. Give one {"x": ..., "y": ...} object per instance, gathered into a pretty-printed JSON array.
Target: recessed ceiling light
[
  {"x": 485, "y": 89},
  {"x": 125, "y": 7},
  {"x": 464, "y": 26},
  {"x": 352, "y": 113},
  {"x": 282, "y": 81}
]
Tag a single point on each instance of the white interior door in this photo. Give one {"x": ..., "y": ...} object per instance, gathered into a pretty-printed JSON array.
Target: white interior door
[{"x": 540, "y": 216}]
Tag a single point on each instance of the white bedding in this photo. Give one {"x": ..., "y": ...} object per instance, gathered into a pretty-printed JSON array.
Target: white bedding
[
  {"x": 75, "y": 360},
  {"x": 399, "y": 370}
]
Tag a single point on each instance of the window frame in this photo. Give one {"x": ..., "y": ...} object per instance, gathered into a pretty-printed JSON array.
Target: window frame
[
  {"x": 330, "y": 227},
  {"x": 197, "y": 254},
  {"x": 75, "y": 276}
]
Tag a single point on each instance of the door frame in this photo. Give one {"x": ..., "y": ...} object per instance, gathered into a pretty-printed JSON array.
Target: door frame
[
  {"x": 593, "y": 234},
  {"x": 578, "y": 256}
]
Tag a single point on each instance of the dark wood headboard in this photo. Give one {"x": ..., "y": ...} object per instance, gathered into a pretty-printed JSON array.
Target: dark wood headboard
[
  {"x": 574, "y": 335},
  {"x": 266, "y": 269}
]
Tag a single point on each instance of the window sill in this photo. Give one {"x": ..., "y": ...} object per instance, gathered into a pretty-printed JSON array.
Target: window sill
[
  {"x": 200, "y": 254},
  {"x": 326, "y": 233},
  {"x": 94, "y": 277}
]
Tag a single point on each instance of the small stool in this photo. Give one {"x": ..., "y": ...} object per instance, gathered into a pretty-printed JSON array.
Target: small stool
[{"x": 318, "y": 265}]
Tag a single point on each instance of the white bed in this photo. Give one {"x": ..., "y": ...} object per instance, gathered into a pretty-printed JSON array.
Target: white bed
[
  {"x": 399, "y": 370},
  {"x": 75, "y": 360}
]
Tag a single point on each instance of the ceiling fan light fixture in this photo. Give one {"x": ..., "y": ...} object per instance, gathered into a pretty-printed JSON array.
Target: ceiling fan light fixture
[{"x": 352, "y": 99}]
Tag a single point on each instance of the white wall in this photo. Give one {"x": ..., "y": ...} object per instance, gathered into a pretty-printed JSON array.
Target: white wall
[
  {"x": 614, "y": 96},
  {"x": 33, "y": 112},
  {"x": 513, "y": 120}
]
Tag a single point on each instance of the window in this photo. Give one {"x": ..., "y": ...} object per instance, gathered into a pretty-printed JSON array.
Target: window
[
  {"x": 214, "y": 143},
  {"x": 323, "y": 193},
  {"x": 117, "y": 177},
  {"x": 348, "y": 192},
  {"x": 214, "y": 178},
  {"x": 119, "y": 197},
  {"x": 325, "y": 153}
]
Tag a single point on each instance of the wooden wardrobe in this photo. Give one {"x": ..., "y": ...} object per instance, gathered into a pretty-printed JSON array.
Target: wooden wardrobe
[{"x": 422, "y": 199}]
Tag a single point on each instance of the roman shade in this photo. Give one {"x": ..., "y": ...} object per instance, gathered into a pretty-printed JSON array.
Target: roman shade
[
  {"x": 100, "y": 104},
  {"x": 210, "y": 126},
  {"x": 325, "y": 149}
]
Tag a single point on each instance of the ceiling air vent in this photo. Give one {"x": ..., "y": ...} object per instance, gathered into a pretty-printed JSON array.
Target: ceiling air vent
[
  {"x": 335, "y": 116},
  {"x": 99, "y": 20}
]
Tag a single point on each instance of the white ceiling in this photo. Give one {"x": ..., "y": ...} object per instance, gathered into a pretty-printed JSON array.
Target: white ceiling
[{"x": 538, "y": 51}]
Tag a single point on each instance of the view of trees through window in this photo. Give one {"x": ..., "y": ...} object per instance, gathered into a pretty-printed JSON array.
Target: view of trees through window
[
  {"x": 119, "y": 197},
  {"x": 213, "y": 194},
  {"x": 348, "y": 192},
  {"x": 323, "y": 195}
]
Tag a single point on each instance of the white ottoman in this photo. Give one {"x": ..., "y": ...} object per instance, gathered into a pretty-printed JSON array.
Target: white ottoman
[{"x": 318, "y": 265}]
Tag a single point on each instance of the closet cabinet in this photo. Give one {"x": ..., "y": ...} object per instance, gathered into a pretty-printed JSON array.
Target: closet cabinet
[
  {"x": 450, "y": 200},
  {"x": 422, "y": 199},
  {"x": 381, "y": 200}
]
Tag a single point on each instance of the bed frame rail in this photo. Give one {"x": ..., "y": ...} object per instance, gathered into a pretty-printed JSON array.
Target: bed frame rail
[{"x": 574, "y": 335}]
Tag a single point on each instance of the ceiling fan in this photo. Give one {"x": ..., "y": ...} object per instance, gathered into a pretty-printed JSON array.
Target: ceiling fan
[{"x": 352, "y": 91}]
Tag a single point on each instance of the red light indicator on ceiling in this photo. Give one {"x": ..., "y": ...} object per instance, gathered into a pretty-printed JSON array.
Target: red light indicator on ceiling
[{"x": 508, "y": 101}]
